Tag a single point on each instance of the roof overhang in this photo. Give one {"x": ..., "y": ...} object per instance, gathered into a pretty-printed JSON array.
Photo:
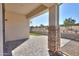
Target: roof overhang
[{"x": 28, "y": 9}]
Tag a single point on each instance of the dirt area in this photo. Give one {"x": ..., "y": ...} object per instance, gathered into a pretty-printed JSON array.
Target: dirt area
[{"x": 72, "y": 48}]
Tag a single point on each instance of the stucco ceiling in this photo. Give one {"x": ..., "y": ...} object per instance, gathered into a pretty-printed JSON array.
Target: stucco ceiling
[
  {"x": 20, "y": 8},
  {"x": 23, "y": 8}
]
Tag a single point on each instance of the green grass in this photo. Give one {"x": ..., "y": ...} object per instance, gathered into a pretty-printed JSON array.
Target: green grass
[{"x": 35, "y": 33}]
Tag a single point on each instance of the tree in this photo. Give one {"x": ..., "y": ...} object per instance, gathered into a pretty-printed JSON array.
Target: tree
[
  {"x": 32, "y": 26},
  {"x": 41, "y": 25},
  {"x": 69, "y": 22}
]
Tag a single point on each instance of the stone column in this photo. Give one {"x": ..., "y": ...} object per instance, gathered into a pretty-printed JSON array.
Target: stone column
[
  {"x": 54, "y": 31},
  {"x": 1, "y": 30}
]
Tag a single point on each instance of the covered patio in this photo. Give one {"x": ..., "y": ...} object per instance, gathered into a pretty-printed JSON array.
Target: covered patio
[
  {"x": 14, "y": 24},
  {"x": 36, "y": 46}
]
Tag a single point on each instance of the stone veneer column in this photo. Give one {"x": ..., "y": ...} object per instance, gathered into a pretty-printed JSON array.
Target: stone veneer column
[{"x": 54, "y": 31}]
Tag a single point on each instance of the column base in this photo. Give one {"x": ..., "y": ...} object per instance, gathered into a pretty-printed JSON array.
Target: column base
[{"x": 51, "y": 53}]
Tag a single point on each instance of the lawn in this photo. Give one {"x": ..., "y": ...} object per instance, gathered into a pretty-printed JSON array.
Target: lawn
[{"x": 35, "y": 33}]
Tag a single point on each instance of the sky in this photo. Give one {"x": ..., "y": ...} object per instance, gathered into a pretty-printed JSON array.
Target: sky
[
  {"x": 42, "y": 19},
  {"x": 69, "y": 10},
  {"x": 65, "y": 11}
]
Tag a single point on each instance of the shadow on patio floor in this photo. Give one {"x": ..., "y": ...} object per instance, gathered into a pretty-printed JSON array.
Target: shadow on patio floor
[{"x": 10, "y": 45}]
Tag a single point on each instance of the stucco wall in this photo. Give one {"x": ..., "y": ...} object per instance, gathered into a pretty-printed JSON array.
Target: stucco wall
[
  {"x": 16, "y": 26},
  {"x": 1, "y": 31},
  {"x": 73, "y": 27}
]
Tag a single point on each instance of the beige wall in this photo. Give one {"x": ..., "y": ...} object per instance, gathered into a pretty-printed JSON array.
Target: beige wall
[
  {"x": 1, "y": 31},
  {"x": 73, "y": 27},
  {"x": 16, "y": 26}
]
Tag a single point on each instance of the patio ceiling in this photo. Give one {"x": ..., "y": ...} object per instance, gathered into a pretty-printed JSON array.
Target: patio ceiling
[
  {"x": 24, "y": 8},
  {"x": 21, "y": 8}
]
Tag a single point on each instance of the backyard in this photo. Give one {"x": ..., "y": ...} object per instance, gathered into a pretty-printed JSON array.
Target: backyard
[
  {"x": 35, "y": 33},
  {"x": 67, "y": 45}
]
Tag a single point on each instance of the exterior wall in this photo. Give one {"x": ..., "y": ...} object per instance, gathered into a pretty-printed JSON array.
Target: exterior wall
[
  {"x": 76, "y": 28},
  {"x": 1, "y": 31},
  {"x": 62, "y": 28},
  {"x": 16, "y": 26},
  {"x": 45, "y": 29},
  {"x": 74, "y": 34},
  {"x": 73, "y": 27}
]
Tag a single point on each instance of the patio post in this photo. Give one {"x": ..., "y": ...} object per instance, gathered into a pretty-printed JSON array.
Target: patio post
[{"x": 54, "y": 30}]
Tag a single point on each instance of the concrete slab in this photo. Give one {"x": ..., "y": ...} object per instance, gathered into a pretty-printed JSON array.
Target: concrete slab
[
  {"x": 35, "y": 46},
  {"x": 64, "y": 41}
]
